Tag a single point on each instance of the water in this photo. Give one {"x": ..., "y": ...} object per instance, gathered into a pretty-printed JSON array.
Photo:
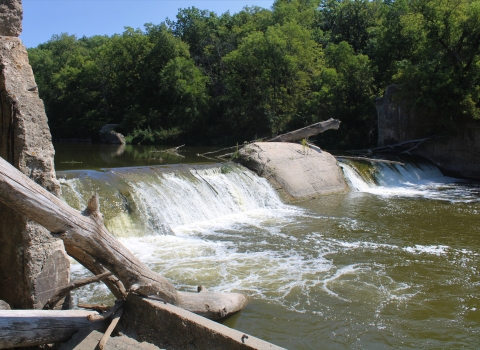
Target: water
[
  {"x": 75, "y": 156},
  {"x": 391, "y": 264}
]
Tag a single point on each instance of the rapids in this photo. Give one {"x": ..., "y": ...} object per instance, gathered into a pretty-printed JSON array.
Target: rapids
[{"x": 393, "y": 263}]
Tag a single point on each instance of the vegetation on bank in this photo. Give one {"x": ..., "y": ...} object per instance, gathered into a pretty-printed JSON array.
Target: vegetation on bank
[{"x": 228, "y": 78}]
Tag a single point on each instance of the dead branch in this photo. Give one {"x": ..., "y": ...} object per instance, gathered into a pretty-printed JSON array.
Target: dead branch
[
  {"x": 373, "y": 160},
  {"x": 396, "y": 145},
  {"x": 103, "y": 342},
  {"x": 102, "y": 317},
  {"x": 308, "y": 131},
  {"x": 55, "y": 299},
  {"x": 94, "y": 307}
]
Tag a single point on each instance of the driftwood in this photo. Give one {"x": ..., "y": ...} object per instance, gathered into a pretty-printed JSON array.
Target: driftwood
[
  {"x": 373, "y": 160},
  {"x": 88, "y": 241},
  {"x": 36, "y": 327},
  {"x": 102, "y": 317},
  {"x": 308, "y": 131},
  {"x": 53, "y": 301},
  {"x": 116, "y": 317},
  {"x": 95, "y": 307}
]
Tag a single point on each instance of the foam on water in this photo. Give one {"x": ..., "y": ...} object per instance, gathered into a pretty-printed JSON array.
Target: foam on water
[
  {"x": 228, "y": 230},
  {"x": 409, "y": 180}
]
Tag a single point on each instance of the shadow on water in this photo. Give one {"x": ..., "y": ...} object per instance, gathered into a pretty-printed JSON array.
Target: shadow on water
[{"x": 76, "y": 156}]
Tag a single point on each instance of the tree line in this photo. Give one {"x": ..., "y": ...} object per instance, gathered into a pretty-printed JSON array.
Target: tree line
[{"x": 221, "y": 79}]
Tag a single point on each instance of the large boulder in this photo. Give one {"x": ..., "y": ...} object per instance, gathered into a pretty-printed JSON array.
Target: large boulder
[
  {"x": 297, "y": 172},
  {"x": 11, "y": 15},
  {"x": 108, "y": 135},
  {"x": 33, "y": 264}
]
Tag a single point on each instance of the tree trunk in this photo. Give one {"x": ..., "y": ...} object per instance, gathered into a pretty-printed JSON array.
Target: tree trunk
[
  {"x": 308, "y": 131},
  {"x": 37, "y": 327},
  {"x": 86, "y": 237}
]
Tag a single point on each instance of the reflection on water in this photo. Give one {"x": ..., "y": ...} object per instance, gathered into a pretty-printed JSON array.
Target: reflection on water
[
  {"x": 76, "y": 156},
  {"x": 392, "y": 264}
]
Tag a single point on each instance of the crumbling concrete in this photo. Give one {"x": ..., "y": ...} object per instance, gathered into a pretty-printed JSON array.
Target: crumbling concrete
[
  {"x": 170, "y": 327},
  {"x": 456, "y": 153},
  {"x": 11, "y": 15},
  {"x": 295, "y": 171},
  {"x": 33, "y": 264}
]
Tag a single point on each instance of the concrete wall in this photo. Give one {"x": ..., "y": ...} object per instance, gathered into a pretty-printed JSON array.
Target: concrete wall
[
  {"x": 170, "y": 327},
  {"x": 456, "y": 154},
  {"x": 33, "y": 265}
]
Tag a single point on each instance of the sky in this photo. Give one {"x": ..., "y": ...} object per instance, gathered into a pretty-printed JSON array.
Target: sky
[{"x": 43, "y": 18}]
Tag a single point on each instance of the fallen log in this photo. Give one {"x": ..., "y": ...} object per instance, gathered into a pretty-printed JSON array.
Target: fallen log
[
  {"x": 308, "y": 131},
  {"x": 86, "y": 238},
  {"x": 37, "y": 327},
  {"x": 373, "y": 160}
]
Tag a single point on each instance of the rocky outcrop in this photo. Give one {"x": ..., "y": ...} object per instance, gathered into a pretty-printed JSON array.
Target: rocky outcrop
[
  {"x": 33, "y": 264},
  {"x": 11, "y": 15},
  {"x": 456, "y": 153},
  {"x": 4, "y": 305},
  {"x": 108, "y": 135},
  {"x": 295, "y": 171}
]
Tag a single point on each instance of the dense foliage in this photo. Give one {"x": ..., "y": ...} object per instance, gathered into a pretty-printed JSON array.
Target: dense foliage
[{"x": 233, "y": 77}]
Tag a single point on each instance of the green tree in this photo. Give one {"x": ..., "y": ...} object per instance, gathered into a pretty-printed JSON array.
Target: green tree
[{"x": 269, "y": 77}]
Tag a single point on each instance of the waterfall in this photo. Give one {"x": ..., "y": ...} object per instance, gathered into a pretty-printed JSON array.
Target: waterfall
[
  {"x": 419, "y": 179},
  {"x": 363, "y": 176},
  {"x": 155, "y": 200}
]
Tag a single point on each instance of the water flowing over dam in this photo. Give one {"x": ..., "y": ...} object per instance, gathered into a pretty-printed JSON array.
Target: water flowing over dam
[{"x": 392, "y": 263}]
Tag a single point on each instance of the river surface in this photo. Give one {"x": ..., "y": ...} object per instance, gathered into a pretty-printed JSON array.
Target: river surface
[{"x": 394, "y": 263}]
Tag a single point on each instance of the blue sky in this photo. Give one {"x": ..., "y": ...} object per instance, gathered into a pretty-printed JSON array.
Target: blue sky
[{"x": 43, "y": 18}]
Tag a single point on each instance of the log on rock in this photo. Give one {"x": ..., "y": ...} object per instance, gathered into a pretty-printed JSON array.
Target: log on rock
[
  {"x": 86, "y": 238},
  {"x": 37, "y": 327},
  {"x": 308, "y": 131}
]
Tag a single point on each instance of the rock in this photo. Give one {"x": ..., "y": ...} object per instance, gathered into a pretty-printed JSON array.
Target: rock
[
  {"x": 297, "y": 172},
  {"x": 11, "y": 15},
  {"x": 108, "y": 135},
  {"x": 4, "y": 305},
  {"x": 33, "y": 264}
]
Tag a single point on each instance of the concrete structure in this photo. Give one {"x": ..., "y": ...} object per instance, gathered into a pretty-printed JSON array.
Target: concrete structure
[
  {"x": 456, "y": 153},
  {"x": 11, "y": 15},
  {"x": 170, "y": 327},
  {"x": 295, "y": 171},
  {"x": 33, "y": 264}
]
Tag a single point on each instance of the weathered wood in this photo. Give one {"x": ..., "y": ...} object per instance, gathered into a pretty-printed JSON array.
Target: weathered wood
[
  {"x": 373, "y": 160},
  {"x": 308, "y": 131},
  {"x": 36, "y": 327},
  {"x": 103, "y": 342},
  {"x": 53, "y": 301},
  {"x": 84, "y": 235},
  {"x": 118, "y": 305},
  {"x": 95, "y": 307}
]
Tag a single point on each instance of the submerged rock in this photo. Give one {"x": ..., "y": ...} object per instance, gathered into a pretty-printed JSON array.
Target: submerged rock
[
  {"x": 297, "y": 172},
  {"x": 108, "y": 135}
]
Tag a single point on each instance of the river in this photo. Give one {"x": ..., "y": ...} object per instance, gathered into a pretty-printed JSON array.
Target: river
[{"x": 393, "y": 263}]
